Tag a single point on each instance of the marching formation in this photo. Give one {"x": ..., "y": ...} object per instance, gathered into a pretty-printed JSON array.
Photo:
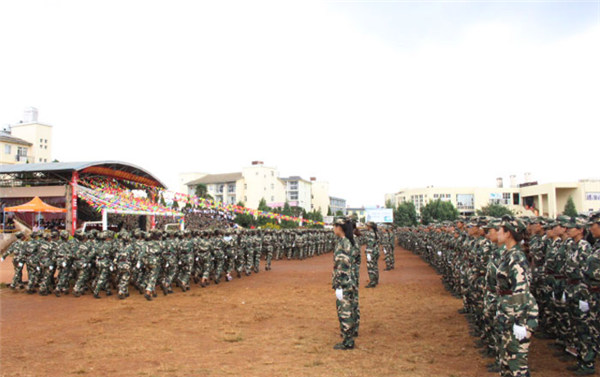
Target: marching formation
[
  {"x": 102, "y": 261},
  {"x": 514, "y": 275}
]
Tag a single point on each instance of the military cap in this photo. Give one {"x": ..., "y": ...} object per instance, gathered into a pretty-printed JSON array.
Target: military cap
[
  {"x": 513, "y": 224},
  {"x": 47, "y": 235},
  {"x": 19, "y": 235},
  {"x": 493, "y": 224},
  {"x": 563, "y": 221},
  {"x": 594, "y": 218},
  {"x": 576, "y": 222},
  {"x": 64, "y": 234}
]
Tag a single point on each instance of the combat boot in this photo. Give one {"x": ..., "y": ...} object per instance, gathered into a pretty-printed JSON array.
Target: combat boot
[
  {"x": 96, "y": 295},
  {"x": 342, "y": 346},
  {"x": 148, "y": 296},
  {"x": 121, "y": 296}
]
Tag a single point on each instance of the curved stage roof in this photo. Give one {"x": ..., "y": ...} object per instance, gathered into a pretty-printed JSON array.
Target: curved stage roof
[{"x": 114, "y": 169}]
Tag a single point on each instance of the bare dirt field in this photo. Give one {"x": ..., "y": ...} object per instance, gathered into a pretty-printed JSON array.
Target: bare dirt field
[{"x": 277, "y": 323}]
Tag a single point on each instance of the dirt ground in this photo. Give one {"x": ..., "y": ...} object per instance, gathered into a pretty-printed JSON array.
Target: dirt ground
[{"x": 277, "y": 323}]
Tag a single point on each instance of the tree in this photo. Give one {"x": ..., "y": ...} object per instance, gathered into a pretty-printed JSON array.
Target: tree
[
  {"x": 495, "y": 210},
  {"x": 339, "y": 213},
  {"x": 329, "y": 211},
  {"x": 263, "y": 207},
  {"x": 405, "y": 214},
  {"x": 389, "y": 204},
  {"x": 287, "y": 211},
  {"x": 438, "y": 210},
  {"x": 243, "y": 219},
  {"x": 201, "y": 191},
  {"x": 570, "y": 209}
]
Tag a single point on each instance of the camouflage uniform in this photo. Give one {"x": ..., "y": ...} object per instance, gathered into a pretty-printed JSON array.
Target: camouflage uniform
[
  {"x": 342, "y": 279},
  {"x": 82, "y": 261},
  {"x": 46, "y": 263},
  {"x": 32, "y": 259},
  {"x": 17, "y": 249},
  {"x": 268, "y": 246},
  {"x": 186, "y": 261},
  {"x": 218, "y": 256},
  {"x": 169, "y": 262},
  {"x": 150, "y": 257},
  {"x": 372, "y": 255},
  {"x": 257, "y": 246},
  {"x": 123, "y": 262},
  {"x": 516, "y": 306},
  {"x": 203, "y": 259},
  {"x": 104, "y": 257},
  {"x": 64, "y": 261},
  {"x": 577, "y": 291}
]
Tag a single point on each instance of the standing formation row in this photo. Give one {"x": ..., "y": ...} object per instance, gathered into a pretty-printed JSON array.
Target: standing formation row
[{"x": 513, "y": 275}]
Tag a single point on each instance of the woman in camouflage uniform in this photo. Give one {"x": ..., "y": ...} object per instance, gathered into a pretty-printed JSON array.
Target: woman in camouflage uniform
[
  {"x": 342, "y": 282},
  {"x": 373, "y": 240},
  {"x": 517, "y": 308}
]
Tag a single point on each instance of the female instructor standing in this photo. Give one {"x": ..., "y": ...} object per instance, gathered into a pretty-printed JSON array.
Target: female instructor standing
[
  {"x": 342, "y": 282},
  {"x": 517, "y": 308}
]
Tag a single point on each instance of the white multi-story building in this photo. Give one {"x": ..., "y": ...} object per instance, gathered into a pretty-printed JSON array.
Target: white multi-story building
[
  {"x": 527, "y": 199},
  {"x": 28, "y": 141},
  {"x": 258, "y": 182}
]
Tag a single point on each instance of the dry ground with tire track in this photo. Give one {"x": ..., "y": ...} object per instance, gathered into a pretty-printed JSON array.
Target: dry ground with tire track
[{"x": 277, "y": 323}]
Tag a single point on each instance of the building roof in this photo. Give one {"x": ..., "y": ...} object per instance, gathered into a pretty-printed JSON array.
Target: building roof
[
  {"x": 115, "y": 169},
  {"x": 294, "y": 178},
  {"x": 216, "y": 178},
  {"x": 7, "y": 138}
]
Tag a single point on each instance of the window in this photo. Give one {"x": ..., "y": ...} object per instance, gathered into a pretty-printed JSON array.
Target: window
[
  {"x": 40, "y": 159},
  {"x": 272, "y": 173},
  {"x": 245, "y": 186},
  {"x": 516, "y": 198},
  {"x": 506, "y": 198},
  {"x": 7, "y": 149},
  {"x": 231, "y": 189},
  {"x": 221, "y": 188},
  {"x": 272, "y": 186},
  {"x": 45, "y": 160},
  {"x": 41, "y": 140},
  {"x": 21, "y": 151},
  {"x": 245, "y": 198},
  {"x": 46, "y": 141},
  {"x": 45, "y": 147},
  {"x": 272, "y": 198}
]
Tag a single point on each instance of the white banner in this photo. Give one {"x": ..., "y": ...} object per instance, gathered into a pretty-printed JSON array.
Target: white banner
[{"x": 380, "y": 215}]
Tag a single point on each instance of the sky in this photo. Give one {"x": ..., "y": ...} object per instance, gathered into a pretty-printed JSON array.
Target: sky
[{"x": 371, "y": 96}]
